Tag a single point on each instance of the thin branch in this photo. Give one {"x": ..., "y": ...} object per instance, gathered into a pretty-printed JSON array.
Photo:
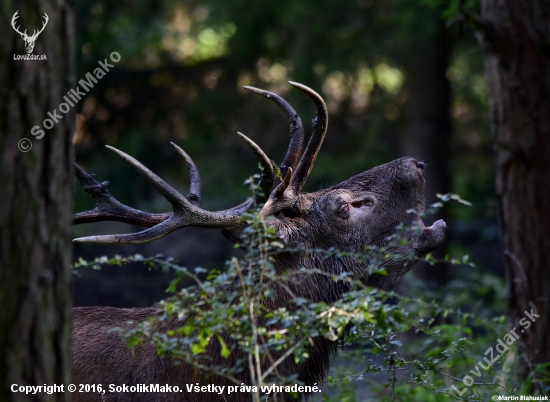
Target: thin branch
[{"x": 283, "y": 357}]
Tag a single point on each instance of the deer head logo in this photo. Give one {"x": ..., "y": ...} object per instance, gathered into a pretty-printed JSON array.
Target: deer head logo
[{"x": 29, "y": 40}]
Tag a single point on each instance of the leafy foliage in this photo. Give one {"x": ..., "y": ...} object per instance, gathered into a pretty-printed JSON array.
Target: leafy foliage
[{"x": 423, "y": 346}]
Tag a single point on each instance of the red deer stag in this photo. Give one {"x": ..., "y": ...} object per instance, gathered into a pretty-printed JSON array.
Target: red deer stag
[{"x": 363, "y": 210}]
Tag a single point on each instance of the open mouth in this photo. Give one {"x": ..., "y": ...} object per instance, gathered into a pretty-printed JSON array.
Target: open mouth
[
  {"x": 421, "y": 223},
  {"x": 431, "y": 236}
]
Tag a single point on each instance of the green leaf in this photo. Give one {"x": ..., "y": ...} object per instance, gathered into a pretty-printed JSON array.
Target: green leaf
[
  {"x": 197, "y": 349},
  {"x": 225, "y": 352}
]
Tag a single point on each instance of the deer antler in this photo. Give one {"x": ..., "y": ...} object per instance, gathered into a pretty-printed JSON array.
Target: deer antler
[
  {"x": 24, "y": 34},
  {"x": 15, "y": 16},
  {"x": 266, "y": 181},
  {"x": 186, "y": 211},
  {"x": 296, "y": 133},
  {"x": 285, "y": 193},
  {"x": 108, "y": 208},
  {"x": 320, "y": 125},
  {"x": 195, "y": 193},
  {"x": 46, "y": 19}
]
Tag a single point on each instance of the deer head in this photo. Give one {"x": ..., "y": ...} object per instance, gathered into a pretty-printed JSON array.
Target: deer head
[
  {"x": 363, "y": 210},
  {"x": 29, "y": 40}
]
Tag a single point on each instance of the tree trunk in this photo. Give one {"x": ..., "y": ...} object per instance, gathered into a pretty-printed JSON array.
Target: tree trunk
[
  {"x": 35, "y": 201},
  {"x": 517, "y": 69},
  {"x": 428, "y": 133}
]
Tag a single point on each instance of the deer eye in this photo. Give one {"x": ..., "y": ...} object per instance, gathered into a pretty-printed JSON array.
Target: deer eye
[{"x": 343, "y": 211}]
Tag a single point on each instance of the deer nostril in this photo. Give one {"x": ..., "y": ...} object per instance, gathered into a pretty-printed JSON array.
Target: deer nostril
[{"x": 420, "y": 167}]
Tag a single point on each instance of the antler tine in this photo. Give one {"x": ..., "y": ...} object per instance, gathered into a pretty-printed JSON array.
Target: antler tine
[
  {"x": 109, "y": 208},
  {"x": 281, "y": 188},
  {"x": 172, "y": 196},
  {"x": 46, "y": 19},
  {"x": 145, "y": 236},
  {"x": 320, "y": 124},
  {"x": 296, "y": 131},
  {"x": 279, "y": 198},
  {"x": 195, "y": 192},
  {"x": 266, "y": 181},
  {"x": 286, "y": 195},
  {"x": 262, "y": 157},
  {"x": 13, "y": 21}
]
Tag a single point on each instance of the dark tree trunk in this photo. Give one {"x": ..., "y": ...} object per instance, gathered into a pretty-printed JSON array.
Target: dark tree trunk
[
  {"x": 35, "y": 201},
  {"x": 428, "y": 133},
  {"x": 517, "y": 68}
]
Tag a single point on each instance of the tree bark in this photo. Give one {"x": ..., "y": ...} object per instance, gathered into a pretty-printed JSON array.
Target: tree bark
[
  {"x": 35, "y": 201},
  {"x": 517, "y": 69}
]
